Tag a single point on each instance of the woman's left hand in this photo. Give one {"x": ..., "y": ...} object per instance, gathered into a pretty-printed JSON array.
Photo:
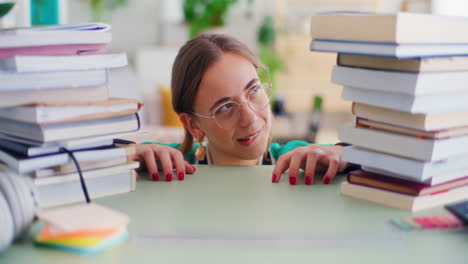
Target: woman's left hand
[{"x": 310, "y": 158}]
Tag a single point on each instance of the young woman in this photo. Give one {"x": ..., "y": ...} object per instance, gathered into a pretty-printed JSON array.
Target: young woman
[{"x": 218, "y": 97}]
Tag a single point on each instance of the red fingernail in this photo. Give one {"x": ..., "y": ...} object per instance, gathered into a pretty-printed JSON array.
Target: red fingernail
[
  {"x": 137, "y": 177},
  {"x": 308, "y": 180},
  {"x": 326, "y": 180},
  {"x": 181, "y": 176},
  {"x": 155, "y": 176},
  {"x": 292, "y": 180},
  {"x": 169, "y": 177},
  {"x": 194, "y": 168},
  {"x": 274, "y": 178}
]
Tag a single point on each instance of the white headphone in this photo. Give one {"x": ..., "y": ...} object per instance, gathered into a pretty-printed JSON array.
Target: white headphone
[{"x": 18, "y": 205}]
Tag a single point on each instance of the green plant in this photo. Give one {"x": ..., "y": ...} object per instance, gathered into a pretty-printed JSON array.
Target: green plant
[
  {"x": 268, "y": 56},
  {"x": 205, "y": 14},
  {"x": 98, "y": 7}
]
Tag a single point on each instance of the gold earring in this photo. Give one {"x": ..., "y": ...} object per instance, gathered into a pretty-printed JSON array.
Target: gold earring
[{"x": 201, "y": 151}]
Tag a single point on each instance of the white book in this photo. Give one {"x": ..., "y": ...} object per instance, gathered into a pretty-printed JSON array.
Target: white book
[
  {"x": 33, "y": 150},
  {"x": 70, "y": 167},
  {"x": 410, "y": 169},
  {"x": 43, "y": 113},
  {"x": 70, "y": 130},
  {"x": 402, "y": 82},
  {"x": 55, "y": 35},
  {"x": 69, "y": 191},
  {"x": 63, "y": 63},
  {"x": 422, "y": 104},
  {"x": 403, "y": 201},
  {"x": 404, "y": 146},
  {"x": 401, "y": 51},
  {"x": 23, "y": 165},
  {"x": 13, "y": 81}
]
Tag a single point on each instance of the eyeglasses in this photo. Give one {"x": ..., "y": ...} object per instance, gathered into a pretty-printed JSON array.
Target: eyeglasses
[{"x": 227, "y": 114}]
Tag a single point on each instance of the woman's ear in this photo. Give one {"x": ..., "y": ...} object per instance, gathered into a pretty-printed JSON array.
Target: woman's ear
[{"x": 191, "y": 124}]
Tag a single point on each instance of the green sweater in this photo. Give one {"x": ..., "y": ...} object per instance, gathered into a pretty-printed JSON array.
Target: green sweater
[{"x": 276, "y": 150}]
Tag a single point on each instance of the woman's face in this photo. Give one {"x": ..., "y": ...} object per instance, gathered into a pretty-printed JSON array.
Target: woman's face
[{"x": 229, "y": 80}]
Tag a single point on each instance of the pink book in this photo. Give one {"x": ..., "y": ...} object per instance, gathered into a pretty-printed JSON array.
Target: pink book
[{"x": 54, "y": 50}]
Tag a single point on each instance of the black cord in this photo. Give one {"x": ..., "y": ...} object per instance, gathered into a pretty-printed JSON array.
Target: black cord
[{"x": 77, "y": 165}]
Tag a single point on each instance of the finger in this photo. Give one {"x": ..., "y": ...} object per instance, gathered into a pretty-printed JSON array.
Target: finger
[
  {"x": 166, "y": 164},
  {"x": 189, "y": 168},
  {"x": 310, "y": 167},
  {"x": 333, "y": 164},
  {"x": 296, "y": 163},
  {"x": 179, "y": 164},
  {"x": 282, "y": 164},
  {"x": 150, "y": 162}
]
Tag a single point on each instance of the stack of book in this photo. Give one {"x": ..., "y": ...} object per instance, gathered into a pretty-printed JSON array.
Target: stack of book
[
  {"x": 54, "y": 99},
  {"x": 409, "y": 90}
]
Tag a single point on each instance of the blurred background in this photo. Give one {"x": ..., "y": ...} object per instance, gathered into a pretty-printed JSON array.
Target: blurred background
[{"x": 306, "y": 104}]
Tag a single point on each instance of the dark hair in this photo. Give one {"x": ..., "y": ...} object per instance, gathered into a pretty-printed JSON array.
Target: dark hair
[{"x": 192, "y": 61}]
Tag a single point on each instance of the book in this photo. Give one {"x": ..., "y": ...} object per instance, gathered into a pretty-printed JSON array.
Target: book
[
  {"x": 70, "y": 130},
  {"x": 403, "y": 201},
  {"x": 424, "y": 83},
  {"x": 421, "y": 104},
  {"x": 36, "y": 150},
  {"x": 402, "y": 186},
  {"x": 401, "y": 51},
  {"x": 404, "y": 146},
  {"x": 55, "y": 112},
  {"x": 402, "y": 27},
  {"x": 431, "y": 173},
  {"x": 24, "y": 164},
  {"x": 104, "y": 170},
  {"x": 76, "y": 94},
  {"x": 434, "y": 134},
  {"x": 55, "y": 191},
  {"x": 63, "y": 63},
  {"x": 55, "y": 35},
  {"x": 428, "y": 122},
  {"x": 54, "y": 50},
  {"x": 430, "y": 64},
  {"x": 13, "y": 81}
]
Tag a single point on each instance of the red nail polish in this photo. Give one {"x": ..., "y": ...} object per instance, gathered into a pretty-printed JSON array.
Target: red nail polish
[
  {"x": 292, "y": 180},
  {"x": 274, "y": 178},
  {"x": 308, "y": 180},
  {"x": 169, "y": 177},
  {"x": 326, "y": 180},
  {"x": 155, "y": 176},
  {"x": 194, "y": 168},
  {"x": 181, "y": 176}
]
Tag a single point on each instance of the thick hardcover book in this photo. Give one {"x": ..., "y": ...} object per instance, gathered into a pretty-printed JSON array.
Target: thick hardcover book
[
  {"x": 403, "y": 27},
  {"x": 56, "y": 112},
  {"x": 432, "y": 134},
  {"x": 55, "y": 35},
  {"x": 428, "y": 83},
  {"x": 401, "y": 51},
  {"x": 63, "y": 63},
  {"x": 430, "y": 64},
  {"x": 23, "y": 164},
  {"x": 55, "y": 191},
  {"x": 76, "y": 94},
  {"x": 423, "y": 104},
  {"x": 436, "y": 121},
  {"x": 70, "y": 130},
  {"x": 404, "y": 201},
  {"x": 431, "y": 173},
  {"x": 385, "y": 182},
  {"x": 405, "y": 146}
]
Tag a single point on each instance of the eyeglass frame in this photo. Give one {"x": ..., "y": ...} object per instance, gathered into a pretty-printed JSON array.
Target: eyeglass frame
[{"x": 244, "y": 100}]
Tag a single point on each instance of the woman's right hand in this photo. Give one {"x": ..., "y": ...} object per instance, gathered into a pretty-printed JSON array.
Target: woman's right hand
[{"x": 159, "y": 157}]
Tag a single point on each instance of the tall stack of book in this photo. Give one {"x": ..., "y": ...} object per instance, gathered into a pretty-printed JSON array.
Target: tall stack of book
[
  {"x": 407, "y": 76},
  {"x": 53, "y": 101}
]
